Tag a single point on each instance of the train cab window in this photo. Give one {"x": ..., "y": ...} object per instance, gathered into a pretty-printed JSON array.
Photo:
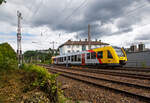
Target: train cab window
[
  {"x": 88, "y": 56},
  {"x": 100, "y": 54},
  {"x": 109, "y": 55},
  {"x": 93, "y": 55},
  {"x": 79, "y": 57}
]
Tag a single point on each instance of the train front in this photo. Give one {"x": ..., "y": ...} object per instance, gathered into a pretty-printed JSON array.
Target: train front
[{"x": 121, "y": 55}]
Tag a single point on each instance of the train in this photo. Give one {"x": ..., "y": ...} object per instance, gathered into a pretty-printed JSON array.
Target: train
[{"x": 104, "y": 56}]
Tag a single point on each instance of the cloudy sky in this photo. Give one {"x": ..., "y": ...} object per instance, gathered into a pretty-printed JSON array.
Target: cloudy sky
[{"x": 118, "y": 22}]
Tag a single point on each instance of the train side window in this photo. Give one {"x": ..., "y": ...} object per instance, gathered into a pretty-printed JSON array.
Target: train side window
[
  {"x": 71, "y": 58},
  {"x": 88, "y": 55},
  {"x": 109, "y": 55},
  {"x": 68, "y": 57},
  {"x": 64, "y": 58},
  {"x": 93, "y": 55},
  {"x": 60, "y": 59},
  {"x": 79, "y": 57},
  {"x": 75, "y": 57},
  {"x": 100, "y": 54}
]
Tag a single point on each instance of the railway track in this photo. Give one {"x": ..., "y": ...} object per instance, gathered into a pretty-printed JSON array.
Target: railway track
[
  {"x": 143, "y": 76},
  {"x": 130, "y": 89}
]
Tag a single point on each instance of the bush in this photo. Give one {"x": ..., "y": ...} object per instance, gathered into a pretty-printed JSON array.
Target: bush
[
  {"x": 8, "y": 57},
  {"x": 44, "y": 80}
]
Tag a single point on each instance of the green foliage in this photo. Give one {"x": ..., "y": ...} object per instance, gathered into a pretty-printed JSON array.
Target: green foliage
[
  {"x": 143, "y": 64},
  {"x": 39, "y": 56},
  {"x": 43, "y": 80},
  {"x": 43, "y": 75},
  {"x": 1, "y": 1},
  {"x": 8, "y": 57}
]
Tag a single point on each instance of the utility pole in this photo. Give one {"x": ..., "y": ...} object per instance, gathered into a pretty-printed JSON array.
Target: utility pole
[
  {"x": 53, "y": 45},
  {"x": 89, "y": 37},
  {"x": 19, "y": 50}
]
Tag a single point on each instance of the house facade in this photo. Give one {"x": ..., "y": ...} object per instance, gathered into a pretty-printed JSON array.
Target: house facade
[{"x": 78, "y": 46}]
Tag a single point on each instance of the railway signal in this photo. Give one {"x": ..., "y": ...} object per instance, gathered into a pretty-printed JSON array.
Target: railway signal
[{"x": 19, "y": 49}]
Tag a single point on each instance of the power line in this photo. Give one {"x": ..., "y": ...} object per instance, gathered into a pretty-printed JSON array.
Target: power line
[
  {"x": 127, "y": 14},
  {"x": 66, "y": 6},
  {"x": 75, "y": 10}
]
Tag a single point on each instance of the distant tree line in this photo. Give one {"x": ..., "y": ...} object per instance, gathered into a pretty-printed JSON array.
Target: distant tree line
[{"x": 39, "y": 56}]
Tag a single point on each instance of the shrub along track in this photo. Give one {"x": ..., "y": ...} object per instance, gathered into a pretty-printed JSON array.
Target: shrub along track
[{"x": 141, "y": 90}]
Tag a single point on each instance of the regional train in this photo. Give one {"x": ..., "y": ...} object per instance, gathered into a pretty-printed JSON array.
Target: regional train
[{"x": 104, "y": 56}]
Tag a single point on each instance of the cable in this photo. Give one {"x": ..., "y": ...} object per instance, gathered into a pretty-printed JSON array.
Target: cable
[
  {"x": 66, "y": 6},
  {"x": 75, "y": 10}
]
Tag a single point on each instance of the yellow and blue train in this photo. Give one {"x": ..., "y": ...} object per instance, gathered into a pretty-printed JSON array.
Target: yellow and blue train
[{"x": 105, "y": 56}]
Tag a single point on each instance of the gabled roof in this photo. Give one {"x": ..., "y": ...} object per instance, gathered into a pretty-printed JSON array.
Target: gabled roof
[{"x": 69, "y": 42}]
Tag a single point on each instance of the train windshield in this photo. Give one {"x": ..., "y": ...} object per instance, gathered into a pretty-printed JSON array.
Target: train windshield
[{"x": 119, "y": 52}]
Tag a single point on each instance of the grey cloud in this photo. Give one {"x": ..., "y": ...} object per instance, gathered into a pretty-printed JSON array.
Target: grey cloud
[
  {"x": 96, "y": 31},
  {"x": 52, "y": 14},
  {"x": 143, "y": 37},
  {"x": 97, "y": 10}
]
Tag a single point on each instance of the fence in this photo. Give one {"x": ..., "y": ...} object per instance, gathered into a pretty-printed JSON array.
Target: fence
[{"x": 138, "y": 59}]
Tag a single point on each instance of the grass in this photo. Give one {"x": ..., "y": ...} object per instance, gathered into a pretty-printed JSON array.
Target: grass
[
  {"x": 13, "y": 84},
  {"x": 16, "y": 84}
]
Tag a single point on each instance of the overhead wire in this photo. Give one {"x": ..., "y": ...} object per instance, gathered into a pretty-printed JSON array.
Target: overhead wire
[
  {"x": 75, "y": 10},
  {"x": 129, "y": 13}
]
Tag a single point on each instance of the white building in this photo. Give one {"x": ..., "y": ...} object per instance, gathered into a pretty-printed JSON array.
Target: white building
[{"x": 77, "y": 46}]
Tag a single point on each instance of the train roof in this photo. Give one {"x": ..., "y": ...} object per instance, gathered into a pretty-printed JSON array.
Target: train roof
[{"x": 76, "y": 53}]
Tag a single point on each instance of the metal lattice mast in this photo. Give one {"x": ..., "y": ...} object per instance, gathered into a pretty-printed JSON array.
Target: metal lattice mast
[{"x": 19, "y": 49}]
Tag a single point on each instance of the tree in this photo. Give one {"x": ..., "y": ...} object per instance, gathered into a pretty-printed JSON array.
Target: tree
[{"x": 1, "y": 1}]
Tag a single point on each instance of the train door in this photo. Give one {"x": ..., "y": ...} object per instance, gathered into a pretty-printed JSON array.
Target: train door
[
  {"x": 83, "y": 59},
  {"x": 109, "y": 57}
]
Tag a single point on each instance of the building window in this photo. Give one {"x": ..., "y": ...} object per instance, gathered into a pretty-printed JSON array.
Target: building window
[
  {"x": 83, "y": 47},
  {"x": 68, "y": 46},
  {"x": 88, "y": 55},
  {"x": 77, "y": 46},
  {"x": 77, "y": 50},
  {"x": 93, "y": 55},
  {"x": 68, "y": 57},
  {"x": 68, "y": 51},
  {"x": 109, "y": 55},
  {"x": 100, "y": 54}
]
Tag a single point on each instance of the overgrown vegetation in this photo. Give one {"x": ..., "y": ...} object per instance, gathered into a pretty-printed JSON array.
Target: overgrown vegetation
[
  {"x": 8, "y": 59},
  {"x": 1, "y": 1},
  {"x": 43, "y": 80},
  {"x": 26, "y": 81},
  {"x": 46, "y": 82}
]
